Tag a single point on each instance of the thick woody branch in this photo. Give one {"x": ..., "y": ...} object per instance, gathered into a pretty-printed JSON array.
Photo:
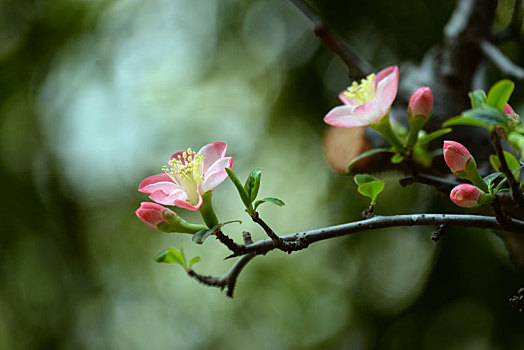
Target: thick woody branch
[
  {"x": 357, "y": 67},
  {"x": 500, "y": 60},
  {"x": 299, "y": 241},
  {"x": 377, "y": 222}
]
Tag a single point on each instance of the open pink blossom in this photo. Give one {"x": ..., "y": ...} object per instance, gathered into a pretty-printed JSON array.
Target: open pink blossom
[
  {"x": 190, "y": 174},
  {"x": 366, "y": 103}
]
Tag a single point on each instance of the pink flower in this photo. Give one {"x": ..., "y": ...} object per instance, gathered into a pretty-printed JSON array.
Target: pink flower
[
  {"x": 190, "y": 174},
  {"x": 465, "y": 196},
  {"x": 152, "y": 214},
  {"x": 366, "y": 103},
  {"x": 421, "y": 102},
  {"x": 456, "y": 156}
]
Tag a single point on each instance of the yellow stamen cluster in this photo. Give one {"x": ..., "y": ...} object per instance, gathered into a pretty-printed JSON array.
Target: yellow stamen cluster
[
  {"x": 363, "y": 92},
  {"x": 187, "y": 171}
]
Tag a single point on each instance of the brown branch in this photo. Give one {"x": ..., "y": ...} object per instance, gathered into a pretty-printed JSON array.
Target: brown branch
[
  {"x": 358, "y": 68},
  {"x": 237, "y": 249},
  {"x": 513, "y": 184},
  {"x": 227, "y": 281}
]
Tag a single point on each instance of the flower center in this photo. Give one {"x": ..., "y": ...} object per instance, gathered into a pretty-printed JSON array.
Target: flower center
[
  {"x": 187, "y": 171},
  {"x": 363, "y": 92}
]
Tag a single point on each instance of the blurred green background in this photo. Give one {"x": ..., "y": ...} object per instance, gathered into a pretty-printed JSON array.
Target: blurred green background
[{"x": 96, "y": 95}]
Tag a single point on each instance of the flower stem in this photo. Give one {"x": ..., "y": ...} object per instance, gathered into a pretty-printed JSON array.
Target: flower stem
[
  {"x": 206, "y": 210},
  {"x": 384, "y": 127}
]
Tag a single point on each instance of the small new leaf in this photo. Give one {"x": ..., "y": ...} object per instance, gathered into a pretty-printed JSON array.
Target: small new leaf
[
  {"x": 490, "y": 178},
  {"x": 194, "y": 261},
  {"x": 435, "y": 134},
  {"x": 366, "y": 155},
  {"x": 477, "y": 98},
  {"x": 172, "y": 256},
  {"x": 241, "y": 191},
  {"x": 273, "y": 200},
  {"x": 500, "y": 93},
  {"x": 253, "y": 184},
  {"x": 201, "y": 235}
]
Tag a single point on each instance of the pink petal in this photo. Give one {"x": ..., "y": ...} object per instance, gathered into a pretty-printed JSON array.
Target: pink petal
[
  {"x": 342, "y": 116},
  {"x": 343, "y": 98},
  {"x": 386, "y": 89},
  {"x": 160, "y": 182},
  {"x": 216, "y": 173},
  {"x": 213, "y": 152},
  {"x": 176, "y": 154},
  {"x": 168, "y": 198}
]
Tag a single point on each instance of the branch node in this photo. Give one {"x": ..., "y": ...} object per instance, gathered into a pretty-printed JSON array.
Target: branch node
[
  {"x": 237, "y": 249},
  {"x": 439, "y": 232},
  {"x": 369, "y": 212}
]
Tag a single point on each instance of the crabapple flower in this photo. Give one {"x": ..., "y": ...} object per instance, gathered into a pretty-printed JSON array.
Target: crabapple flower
[
  {"x": 421, "y": 103},
  {"x": 366, "y": 103},
  {"x": 456, "y": 156},
  {"x": 466, "y": 196},
  {"x": 163, "y": 219},
  {"x": 189, "y": 175}
]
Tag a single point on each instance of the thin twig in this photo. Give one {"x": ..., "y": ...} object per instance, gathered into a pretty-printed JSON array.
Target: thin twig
[
  {"x": 358, "y": 68},
  {"x": 513, "y": 184},
  {"x": 277, "y": 240},
  {"x": 229, "y": 280},
  {"x": 237, "y": 249},
  {"x": 440, "y": 184}
]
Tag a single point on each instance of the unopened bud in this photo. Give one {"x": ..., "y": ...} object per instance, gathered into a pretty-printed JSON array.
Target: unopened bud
[
  {"x": 510, "y": 113},
  {"x": 468, "y": 196},
  {"x": 420, "y": 103},
  {"x": 163, "y": 219},
  {"x": 456, "y": 156}
]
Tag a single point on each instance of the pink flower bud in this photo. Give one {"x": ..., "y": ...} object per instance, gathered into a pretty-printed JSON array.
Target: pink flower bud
[
  {"x": 509, "y": 112},
  {"x": 465, "y": 196},
  {"x": 456, "y": 156},
  {"x": 421, "y": 102},
  {"x": 152, "y": 214}
]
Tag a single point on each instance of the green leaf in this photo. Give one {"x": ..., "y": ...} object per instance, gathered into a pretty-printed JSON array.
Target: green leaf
[
  {"x": 500, "y": 93},
  {"x": 241, "y": 191},
  {"x": 230, "y": 222},
  {"x": 364, "y": 178},
  {"x": 435, "y": 134},
  {"x": 397, "y": 158},
  {"x": 371, "y": 189},
  {"x": 477, "y": 98},
  {"x": 461, "y": 120},
  {"x": 172, "y": 256},
  {"x": 273, "y": 200},
  {"x": 512, "y": 162},
  {"x": 490, "y": 178},
  {"x": 201, "y": 235},
  {"x": 194, "y": 261},
  {"x": 366, "y": 155},
  {"x": 253, "y": 184}
]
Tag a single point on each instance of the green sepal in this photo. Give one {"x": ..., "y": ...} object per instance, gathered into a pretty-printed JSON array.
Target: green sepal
[
  {"x": 241, "y": 191},
  {"x": 273, "y": 200},
  {"x": 477, "y": 98},
  {"x": 369, "y": 186},
  {"x": 252, "y": 184},
  {"x": 432, "y": 136},
  {"x": 415, "y": 125},
  {"x": 500, "y": 93},
  {"x": 177, "y": 224},
  {"x": 366, "y": 155}
]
